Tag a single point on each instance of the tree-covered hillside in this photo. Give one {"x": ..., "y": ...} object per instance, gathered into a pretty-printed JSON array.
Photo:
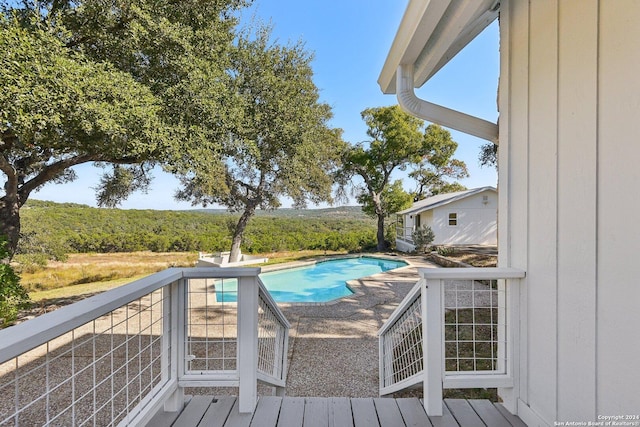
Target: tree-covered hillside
[{"x": 56, "y": 229}]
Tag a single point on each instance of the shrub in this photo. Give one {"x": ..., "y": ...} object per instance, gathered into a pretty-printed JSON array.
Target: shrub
[
  {"x": 446, "y": 251},
  {"x": 13, "y": 296},
  {"x": 423, "y": 237}
]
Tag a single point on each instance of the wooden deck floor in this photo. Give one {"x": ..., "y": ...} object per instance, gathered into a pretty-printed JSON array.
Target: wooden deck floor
[{"x": 335, "y": 412}]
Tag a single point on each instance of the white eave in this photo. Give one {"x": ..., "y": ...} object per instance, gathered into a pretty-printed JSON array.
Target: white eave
[
  {"x": 431, "y": 33},
  {"x": 443, "y": 199}
]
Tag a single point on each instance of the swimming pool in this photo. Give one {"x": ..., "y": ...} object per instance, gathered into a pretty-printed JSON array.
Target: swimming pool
[{"x": 320, "y": 282}]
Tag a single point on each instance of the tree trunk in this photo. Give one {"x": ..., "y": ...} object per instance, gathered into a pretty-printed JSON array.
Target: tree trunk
[
  {"x": 238, "y": 232},
  {"x": 382, "y": 246},
  {"x": 10, "y": 223}
]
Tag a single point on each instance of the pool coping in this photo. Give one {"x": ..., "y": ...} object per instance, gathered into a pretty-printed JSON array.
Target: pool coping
[{"x": 353, "y": 284}]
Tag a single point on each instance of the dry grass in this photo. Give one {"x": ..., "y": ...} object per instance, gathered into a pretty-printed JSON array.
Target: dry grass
[
  {"x": 89, "y": 269},
  {"x": 473, "y": 259},
  {"x": 85, "y": 274},
  {"x": 476, "y": 260}
]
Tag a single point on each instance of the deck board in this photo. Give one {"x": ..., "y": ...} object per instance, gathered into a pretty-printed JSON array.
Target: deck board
[
  {"x": 489, "y": 413},
  {"x": 514, "y": 420},
  {"x": 194, "y": 411},
  {"x": 218, "y": 412},
  {"x": 267, "y": 411},
  {"x": 340, "y": 414},
  {"x": 413, "y": 412},
  {"x": 446, "y": 420},
  {"x": 464, "y": 413},
  {"x": 291, "y": 412},
  {"x": 273, "y": 411},
  {"x": 316, "y": 412},
  {"x": 388, "y": 412},
  {"x": 364, "y": 412},
  {"x": 236, "y": 419}
]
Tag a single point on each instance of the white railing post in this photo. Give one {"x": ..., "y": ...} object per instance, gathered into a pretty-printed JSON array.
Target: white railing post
[
  {"x": 173, "y": 342},
  {"x": 510, "y": 395},
  {"x": 248, "y": 343},
  {"x": 432, "y": 347},
  {"x": 281, "y": 365}
]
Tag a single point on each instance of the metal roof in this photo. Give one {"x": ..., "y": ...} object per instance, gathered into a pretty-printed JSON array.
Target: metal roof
[{"x": 442, "y": 199}]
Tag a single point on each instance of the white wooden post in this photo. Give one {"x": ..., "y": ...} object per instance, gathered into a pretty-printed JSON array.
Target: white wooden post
[
  {"x": 248, "y": 343},
  {"x": 173, "y": 324},
  {"x": 280, "y": 352},
  {"x": 432, "y": 349},
  {"x": 510, "y": 396}
]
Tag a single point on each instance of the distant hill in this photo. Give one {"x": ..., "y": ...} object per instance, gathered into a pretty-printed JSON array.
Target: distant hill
[
  {"x": 347, "y": 212},
  {"x": 55, "y": 228}
]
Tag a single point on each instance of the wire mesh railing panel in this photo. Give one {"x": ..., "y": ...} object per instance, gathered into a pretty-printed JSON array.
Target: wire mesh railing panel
[
  {"x": 271, "y": 339},
  {"x": 474, "y": 326},
  {"x": 94, "y": 375},
  {"x": 211, "y": 327},
  {"x": 402, "y": 346}
]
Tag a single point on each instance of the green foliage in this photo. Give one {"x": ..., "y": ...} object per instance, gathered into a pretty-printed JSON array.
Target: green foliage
[
  {"x": 446, "y": 250},
  {"x": 393, "y": 199},
  {"x": 438, "y": 164},
  {"x": 79, "y": 228},
  {"x": 397, "y": 141},
  {"x": 423, "y": 237},
  {"x": 13, "y": 296},
  {"x": 121, "y": 84},
  {"x": 60, "y": 109},
  {"x": 488, "y": 155},
  {"x": 280, "y": 144}
]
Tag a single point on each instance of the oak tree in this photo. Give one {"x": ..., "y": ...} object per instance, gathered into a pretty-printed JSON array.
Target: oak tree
[
  {"x": 119, "y": 84},
  {"x": 398, "y": 140},
  {"x": 281, "y": 144}
]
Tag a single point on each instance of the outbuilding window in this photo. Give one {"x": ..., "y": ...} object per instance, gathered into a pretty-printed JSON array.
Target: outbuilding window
[{"x": 453, "y": 219}]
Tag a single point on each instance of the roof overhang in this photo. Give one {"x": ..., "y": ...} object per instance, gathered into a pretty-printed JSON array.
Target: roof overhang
[{"x": 431, "y": 33}]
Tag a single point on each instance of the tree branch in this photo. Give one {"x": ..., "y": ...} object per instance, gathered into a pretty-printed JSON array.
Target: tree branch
[{"x": 51, "y": 171}]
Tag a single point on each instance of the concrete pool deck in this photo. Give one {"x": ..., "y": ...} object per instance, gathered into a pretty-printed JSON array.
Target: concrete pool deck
[{"x": 333, "y": 348}]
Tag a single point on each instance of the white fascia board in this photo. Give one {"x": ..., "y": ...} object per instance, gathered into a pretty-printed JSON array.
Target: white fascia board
[
  {"x": 418, "y": 23},
  {"x": 431, "y": 33}
]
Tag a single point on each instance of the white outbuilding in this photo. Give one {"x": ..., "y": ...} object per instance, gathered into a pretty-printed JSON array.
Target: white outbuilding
[{"x": 466, "y": 217}]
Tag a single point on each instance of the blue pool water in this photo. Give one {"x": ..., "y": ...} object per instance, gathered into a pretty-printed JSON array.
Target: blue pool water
[{"x": 321, "y": 282}]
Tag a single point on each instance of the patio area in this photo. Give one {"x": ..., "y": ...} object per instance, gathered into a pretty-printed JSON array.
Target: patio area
[{"x": 137, "y": 354}]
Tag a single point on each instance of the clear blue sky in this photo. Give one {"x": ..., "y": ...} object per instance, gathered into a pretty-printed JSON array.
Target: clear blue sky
[{"x": 350, "y": 40}]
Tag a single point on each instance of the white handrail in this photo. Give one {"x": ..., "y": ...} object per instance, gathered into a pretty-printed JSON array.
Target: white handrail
[
  {"x": 484, "y": 273},
  {"x": 273, "y": 305},
  {"x": 406, "y": 347},
  {"x": 162, "y": 339},
  {"x": 20, "y": 338},
  {"x": 27, "y": 335},
  {"x": 406, "y": 301}
]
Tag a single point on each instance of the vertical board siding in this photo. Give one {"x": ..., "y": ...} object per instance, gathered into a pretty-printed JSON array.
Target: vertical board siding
[
  {"x": 542, "y": 264},
  {"x": 513, "y": 223},
  {"x": 618, "y": 314},
  {"x": 577, "y": 145},
  {"x": 569, "y": 184}
]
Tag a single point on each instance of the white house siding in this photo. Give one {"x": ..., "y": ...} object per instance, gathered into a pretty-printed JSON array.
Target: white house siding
[
  {"x": 568, "y": 180},
  {"x": 426, "y": 219},
  {"x": 476, "y": 221}
]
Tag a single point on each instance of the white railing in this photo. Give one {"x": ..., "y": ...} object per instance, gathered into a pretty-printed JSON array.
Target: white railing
[
  {"x": 120, "y": 356},
  {"x": 466, "y": 317},
  {"x": 405, "y": 233}
]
